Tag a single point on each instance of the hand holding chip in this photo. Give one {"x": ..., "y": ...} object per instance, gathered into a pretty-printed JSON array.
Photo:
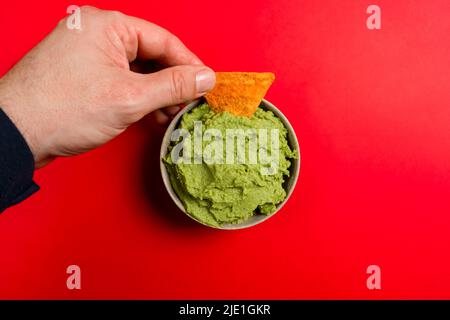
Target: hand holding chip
[{"x": 75, "y": 90}]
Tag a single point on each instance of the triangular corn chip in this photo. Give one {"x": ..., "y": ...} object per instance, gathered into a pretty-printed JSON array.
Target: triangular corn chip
[{"x": 239, "y": 93}]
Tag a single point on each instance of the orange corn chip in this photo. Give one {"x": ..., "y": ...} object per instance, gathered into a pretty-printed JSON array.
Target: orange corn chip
[{"x": 239, "y": 93}]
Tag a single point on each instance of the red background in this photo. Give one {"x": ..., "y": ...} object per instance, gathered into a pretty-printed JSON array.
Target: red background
[{"x": 371, "y": 110}]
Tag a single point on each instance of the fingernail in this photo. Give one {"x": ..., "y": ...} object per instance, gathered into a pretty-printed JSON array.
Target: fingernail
[{"x": 205, "y": 80}]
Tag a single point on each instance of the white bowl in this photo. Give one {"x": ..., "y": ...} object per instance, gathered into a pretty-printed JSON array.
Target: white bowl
[{"x": 258, "y": 218}]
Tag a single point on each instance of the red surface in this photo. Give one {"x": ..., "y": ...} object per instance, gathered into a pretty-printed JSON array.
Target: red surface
[{"x": 372, "y": 113}]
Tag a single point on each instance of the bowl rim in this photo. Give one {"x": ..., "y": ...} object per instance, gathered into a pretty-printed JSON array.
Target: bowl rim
[{"x": 256, "y": 219}]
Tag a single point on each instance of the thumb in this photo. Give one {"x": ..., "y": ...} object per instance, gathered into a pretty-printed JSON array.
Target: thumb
[{"x": 178, "y": 84}]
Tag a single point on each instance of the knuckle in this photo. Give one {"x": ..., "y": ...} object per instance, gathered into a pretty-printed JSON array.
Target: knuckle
[
  {"x": 178, "y": 86},
  {"x": 131, "y": 95},
  {"x": 88, "y": 9},
  {"x": 115, "y": 15}
]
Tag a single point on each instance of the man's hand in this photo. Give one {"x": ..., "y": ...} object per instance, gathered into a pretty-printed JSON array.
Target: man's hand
[{"x": 75, "y": 91}]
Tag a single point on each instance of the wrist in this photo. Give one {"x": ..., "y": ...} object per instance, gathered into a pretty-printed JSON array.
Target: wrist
[{"x": 12, "y": 105}]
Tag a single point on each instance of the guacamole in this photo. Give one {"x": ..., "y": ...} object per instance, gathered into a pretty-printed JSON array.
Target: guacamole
[{"x": 222, "y": 192}]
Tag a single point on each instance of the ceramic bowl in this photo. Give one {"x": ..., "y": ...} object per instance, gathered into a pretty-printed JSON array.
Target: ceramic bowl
[{"x": 256, "y": 219}]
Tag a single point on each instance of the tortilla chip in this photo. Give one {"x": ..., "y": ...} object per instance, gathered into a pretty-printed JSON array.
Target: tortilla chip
[{"x": 239, "y": 93}]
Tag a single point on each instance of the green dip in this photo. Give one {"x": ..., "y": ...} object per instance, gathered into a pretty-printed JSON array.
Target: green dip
[{"x": 221, "y": 193}]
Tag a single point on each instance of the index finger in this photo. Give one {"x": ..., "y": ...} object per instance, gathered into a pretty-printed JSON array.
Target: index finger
[{"x": 153, "y": 42}]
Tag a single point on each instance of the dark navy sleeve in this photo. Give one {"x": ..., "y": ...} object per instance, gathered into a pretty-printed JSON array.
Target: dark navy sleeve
[{"x": 16, "y": 165}]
